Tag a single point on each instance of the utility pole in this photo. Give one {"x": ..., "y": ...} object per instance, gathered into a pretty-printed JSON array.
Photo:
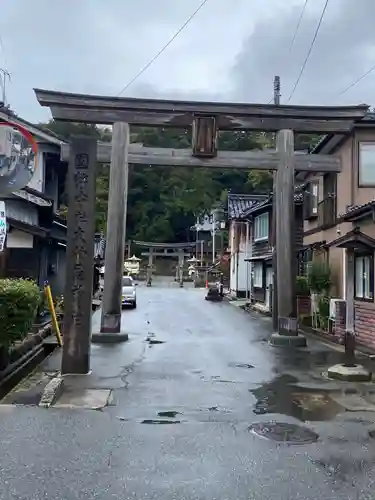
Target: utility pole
[
  {"x": 3, "y": 79},
  {"x": 213, "y": 236},
  {"x": 276, "y": 99},
  {"x": 276, "y": 91}
]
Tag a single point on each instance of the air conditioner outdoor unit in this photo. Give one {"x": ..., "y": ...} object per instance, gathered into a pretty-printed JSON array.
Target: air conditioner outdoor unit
[{"x": 332, "y": 307}]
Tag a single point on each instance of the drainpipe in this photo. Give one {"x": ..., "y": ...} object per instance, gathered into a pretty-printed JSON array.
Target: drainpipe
[
  {"x": 237, "y": 255},
  {"x": 354, "y": 170},
  {"x": 246, "y": 257}
]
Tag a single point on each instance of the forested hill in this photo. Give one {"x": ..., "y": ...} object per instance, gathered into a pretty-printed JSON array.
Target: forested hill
[{"x": 163, "y": 201}]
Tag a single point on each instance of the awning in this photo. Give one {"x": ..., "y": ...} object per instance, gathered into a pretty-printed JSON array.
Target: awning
[
  {"x": 259, "y": 257},
  {"x": 353, "y": 240},
  {"x": 27, "y": 228}
]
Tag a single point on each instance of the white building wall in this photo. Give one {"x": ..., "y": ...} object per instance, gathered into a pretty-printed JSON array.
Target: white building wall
[
  {"x": 37, "y": 180},
  {"x": 240, "y": 269},
  {"x": 19, "y": 239},
  {"x": 233, "y": 259}
]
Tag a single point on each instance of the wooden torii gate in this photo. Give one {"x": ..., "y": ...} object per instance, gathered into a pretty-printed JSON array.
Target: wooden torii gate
[
  {"x": 205, "y": 119},
  {"x": 166, "y": 250}
]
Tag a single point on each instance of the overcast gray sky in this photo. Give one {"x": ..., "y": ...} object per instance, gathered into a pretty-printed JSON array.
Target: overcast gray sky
[{"x": 230, "y": 51}]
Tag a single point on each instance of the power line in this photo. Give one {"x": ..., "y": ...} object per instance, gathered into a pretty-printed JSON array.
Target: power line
[
  {"x": 358, "y": 80},
  {"x": 291, "y": 45},
  {"x": 297, "y": 27},
  {"x": 164, "y": 47},
  {"x": 309, "y": 51}
]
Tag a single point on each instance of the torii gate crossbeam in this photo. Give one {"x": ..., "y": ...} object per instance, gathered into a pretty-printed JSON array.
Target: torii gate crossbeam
[{"x": 206, "y": 119}]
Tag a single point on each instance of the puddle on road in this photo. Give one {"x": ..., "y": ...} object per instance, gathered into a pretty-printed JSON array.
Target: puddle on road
[
  {"x": 297, "y": 359},
  {"x": 160, "y": 422},
  {"x": 280, "y": 396},
  {"x": 155, "y": 342},
  {"x": 224, "y": 381},
  {"x": 283, "y": 432},
  {"x": 240, "y": 365},
  {"x": 169, "y": 414}
]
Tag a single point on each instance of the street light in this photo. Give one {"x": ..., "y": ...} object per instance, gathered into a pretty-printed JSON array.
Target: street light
[{"x": 217, "y": 218}]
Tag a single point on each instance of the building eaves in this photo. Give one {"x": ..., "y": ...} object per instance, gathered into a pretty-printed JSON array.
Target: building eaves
[
  {"x": 330, "y": 142},
  {"x": 357, "y": 211},
  {"x": 239, "y": 203},
  {"x": 40, "y": 133}
]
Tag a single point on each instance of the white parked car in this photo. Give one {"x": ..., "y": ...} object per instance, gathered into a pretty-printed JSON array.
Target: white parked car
[{"x": 129, "y": 294}]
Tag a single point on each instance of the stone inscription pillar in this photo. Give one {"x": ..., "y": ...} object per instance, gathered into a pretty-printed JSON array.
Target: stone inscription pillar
[{"x": 80, "y": 256}]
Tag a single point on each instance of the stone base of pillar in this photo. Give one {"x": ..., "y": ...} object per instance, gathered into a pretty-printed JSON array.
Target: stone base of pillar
[
  {"x": 109, "y": 338},
  {"x": 278, "y": 340},
  {"x": 356, "y": 373},
  {"x": 110, "y": 323},
  {"x": 287, "y": 326}
]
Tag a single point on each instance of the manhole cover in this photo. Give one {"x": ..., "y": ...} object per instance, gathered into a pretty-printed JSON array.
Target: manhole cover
[{"x": 283, "y": 432}]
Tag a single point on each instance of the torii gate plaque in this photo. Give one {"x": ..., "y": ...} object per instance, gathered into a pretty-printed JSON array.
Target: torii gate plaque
[{"x": 213, "y": 117}]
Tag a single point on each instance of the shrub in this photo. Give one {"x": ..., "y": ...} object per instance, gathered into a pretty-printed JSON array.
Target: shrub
[
  {"x": 323, "y": 308},
  {"x": 59, "y": 304},
  {"x": 302, "y": 286},
  {"x": 19, "y": 301},
  {"x": 319, "y": 277},
  {"x": 43, "y": 303}
]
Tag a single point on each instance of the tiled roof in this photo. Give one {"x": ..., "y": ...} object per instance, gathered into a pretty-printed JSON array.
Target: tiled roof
[
  {"x": 357, "y": 209},
  {"x": 257, "y": 206},
  {"x": 239, "y": 203},
  {"x": 298, "y": 198}
]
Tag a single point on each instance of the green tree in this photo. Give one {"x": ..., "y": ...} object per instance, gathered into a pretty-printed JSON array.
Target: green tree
[{"x": 163, "y": 202}]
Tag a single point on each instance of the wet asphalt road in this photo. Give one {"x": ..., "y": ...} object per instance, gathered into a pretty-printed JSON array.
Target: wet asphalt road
[{"x": 210, "y": 378}]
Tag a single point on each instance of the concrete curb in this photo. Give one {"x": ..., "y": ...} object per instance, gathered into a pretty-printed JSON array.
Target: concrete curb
[{"x": 52, "y": 392}]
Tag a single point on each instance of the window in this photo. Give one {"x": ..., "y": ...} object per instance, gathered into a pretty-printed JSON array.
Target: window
[
  {"x": 364, "y": 283},
  {"x": 310, "y": 203},
  {"x": 258, "y": 275},
  {"x": 261, "y": 227},
  {"x": 314, "y": 198},
  {"x": 366, "y": 164}
]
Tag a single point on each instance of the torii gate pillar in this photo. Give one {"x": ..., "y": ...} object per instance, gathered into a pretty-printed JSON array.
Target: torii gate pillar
[
  {"x": 116, "y": 233},
  {"x": 287, "y": 328}
]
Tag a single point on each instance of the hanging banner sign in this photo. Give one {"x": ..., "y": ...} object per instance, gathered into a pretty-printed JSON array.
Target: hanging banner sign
[{"x": 3, "y": 226}]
